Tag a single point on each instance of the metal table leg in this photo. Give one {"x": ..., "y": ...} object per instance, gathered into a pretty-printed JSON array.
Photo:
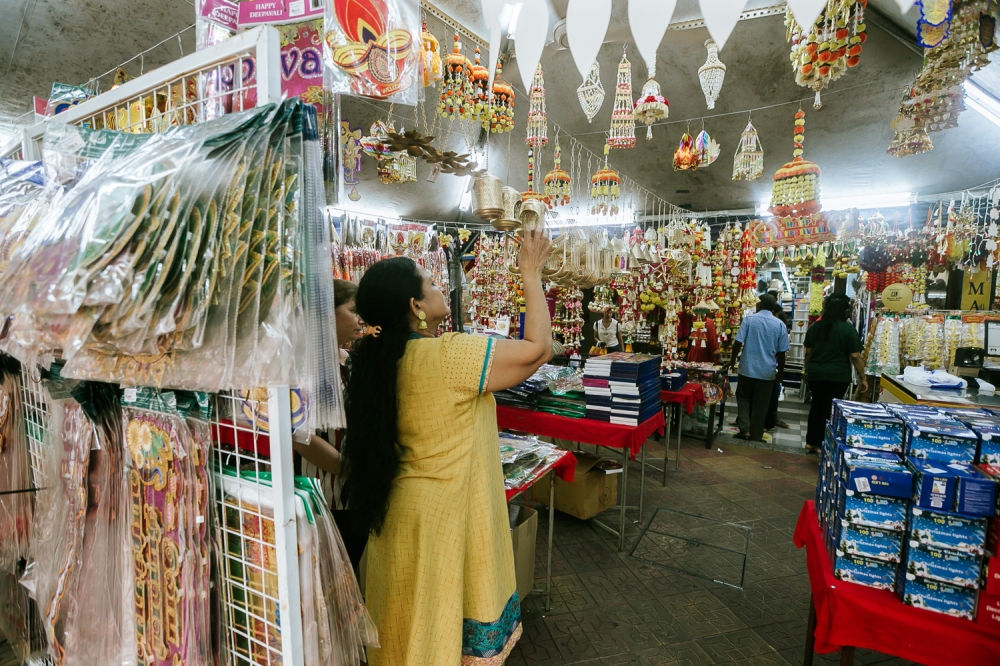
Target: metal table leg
[
  {"x": 680, "y": 430},
  {"x": 667, "y": 429},
  {"x": 624, "y": 499},
  {"x": 552, "y": 522},
  {"x": 710, "y": 433},
  {"x": 642, "y": 477}
]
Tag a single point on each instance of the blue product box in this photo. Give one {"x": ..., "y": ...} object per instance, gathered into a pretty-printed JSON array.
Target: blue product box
[
  {"x": 975, "y": 492},
  {"x": 964, "y": 413},
  {"x": 873, "y": 510},
  {"x": 871, "y": 542},
  {"x": 989, "y": 451},
  {"x": 881, "y": 432},
  {"x": 830, "y": 443},
  {"x": 938, "y": 597},
  {"x": 875, "y": 472},
  {"x": 942, "y": 565},
  {"x": 933, "y": 484},
  {"x": 674, "y": 380},
  {"x": 947, "y": 530},
  {"x": 864, "y": 571},
  {"x": 942, "y": 442}
]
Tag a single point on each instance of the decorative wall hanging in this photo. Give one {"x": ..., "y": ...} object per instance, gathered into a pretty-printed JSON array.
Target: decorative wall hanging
[
  {"x": 415, "y": 145},
  {"x": 501, "y": 117},
  {"x": 622, "y": 134},
  {"x": 748, "y": 164},
  {"x": 711, "y": 74},
  {"x": 651, "y": 105},
  {"x": 909, "y": 139},
  {"x": 393, "y": 166},
  {"x": 557, "y": 182},
  {"x": 708, "y": 149},
  {"x": 796, "y": 184},
  {"x": 531, "y": 193},
  {"x": 586, "y": 25},
  {"x": 430, "y": 62},
  {"x": 823, "y": 52},
  {"x": 591, "y": 92},
  {"x": 350, "y": 146},
  {"x": 479, "y": 77},
  {"x": 456, "y": 90},
  {"x": 605, "y": 188},
  {"x": 370, "y": 48},
  {"x": 538, "y": 126},
  {"x": 686, "y": 156}
]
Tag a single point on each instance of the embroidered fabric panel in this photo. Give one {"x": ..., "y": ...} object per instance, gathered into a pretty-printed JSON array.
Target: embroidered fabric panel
[{"x": 487, "y": 640}]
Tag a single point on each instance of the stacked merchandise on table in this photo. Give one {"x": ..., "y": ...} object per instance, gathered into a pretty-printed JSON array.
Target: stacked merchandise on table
[
  {"x": 905, "y": 504},
  {"x": 622, "y": 388},
  {"x": 524, "y": 458},
  {"x": 554, "y": 389}
]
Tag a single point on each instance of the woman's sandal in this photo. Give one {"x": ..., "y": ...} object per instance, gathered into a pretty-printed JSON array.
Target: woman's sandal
[{"x": 812, "y": 450}]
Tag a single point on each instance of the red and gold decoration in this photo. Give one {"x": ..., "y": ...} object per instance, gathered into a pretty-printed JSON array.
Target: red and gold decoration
[
  {"x": 501, "y": 112},
  {"x": 456, "y": 89},
  {"x": 480, "y": 78},
  {"x": 622, "y": 133},
  {"x": 830, "y": 47},
  {"x": 371, "y": 46},
  {"x": 605, "y": 189},
  {"x": 686, "y": 157},
  {"x": 796, "y": 184},
  {"x": 651, "y": 105},
  {"x": 430, "y": 63},
  {"x": 557, "y": 181}
]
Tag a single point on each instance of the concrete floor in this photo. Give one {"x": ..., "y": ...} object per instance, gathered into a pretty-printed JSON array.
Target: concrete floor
[{"x": 610, "y": 609}]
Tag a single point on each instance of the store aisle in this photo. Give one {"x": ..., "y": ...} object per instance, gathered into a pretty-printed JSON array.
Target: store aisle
[{"x": 608, "y": 609}]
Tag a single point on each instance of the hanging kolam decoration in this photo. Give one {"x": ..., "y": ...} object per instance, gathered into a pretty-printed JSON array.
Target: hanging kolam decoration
[
  {"x": 748, "y": 164},
  {"x": 456, "y": 90},
  {"x": 651, "y": 106},
  {"x": 605, "y": 189},
  {"x": 557, "y": 181},
  {"x": 711, "y": 74},
  {"x": 538, "y": 127},
  {"x": 591, "y": 92},
  {"x": 622, "y": 134},
  {"x": 501, "y": 114},
  {"x": 430, "y": 64},
  {"x": 832, "y": 45}
]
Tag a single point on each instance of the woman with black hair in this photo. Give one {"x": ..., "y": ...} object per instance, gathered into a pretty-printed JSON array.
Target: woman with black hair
[
  {"x": 832, "y": 346},
  {"x": 423, "y": 467}
]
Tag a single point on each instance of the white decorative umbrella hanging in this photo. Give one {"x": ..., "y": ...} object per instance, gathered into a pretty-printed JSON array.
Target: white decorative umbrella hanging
[
  {"x": 748, "y": 164},
  {"x": 711, "y": 74},
  {"x": 622, "y": 134},
  {"x": 591, "y": 92}
]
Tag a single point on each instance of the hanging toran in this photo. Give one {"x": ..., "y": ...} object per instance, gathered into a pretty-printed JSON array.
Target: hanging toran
[
  {"x": 686, "y": 156},
  {"x": 622, "y": 134},
  {"x": 557, "y": 182},
  {"x": 480, "y": 78},
  {"x": 827, "y": 49},
  {"x": 651, "y": 105},
  {"x": 748, "y": 164},
  {"x": 538, "y": 126},
  {"x": 431, "y": 61},
  {"x": 456, "y": 90},
  {"x": 501, "y": 114},
  {"x": 711, "y": 74},
  {"x": 591, "y": 92},
  {"x": 605, "y": 188},
  {"x": 796, "y": 184}
]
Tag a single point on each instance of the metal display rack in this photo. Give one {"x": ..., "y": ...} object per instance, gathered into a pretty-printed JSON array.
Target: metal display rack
[{"x": 259, "y": 572}]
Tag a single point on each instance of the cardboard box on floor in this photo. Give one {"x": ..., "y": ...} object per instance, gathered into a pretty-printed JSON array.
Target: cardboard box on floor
[
  {"x": 591, "y": 492},
  {"x": 523, "y": 528}
]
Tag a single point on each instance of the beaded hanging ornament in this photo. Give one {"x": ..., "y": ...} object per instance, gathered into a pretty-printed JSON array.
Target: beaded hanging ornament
[
  {"x": 748, "y": 164},
  {"x": 430, "y": 64},
  {"x": 480, "y": 78},
  {"x": 456, "y": 90},
  {"x": 796, "y": 184},
  {"x": 711, "y": 74},
  {"x": 622, "y": 134},
  {"x": 591, "y": 92},
  {"x": 823, "y": 52},
  {"x": 501, "y": 114},
  {"x": 651, "y": 105},
  {"x": 557, "y": 182},
  {"x": 605, "y": 188},
  {"x": 538, "y": 126}
]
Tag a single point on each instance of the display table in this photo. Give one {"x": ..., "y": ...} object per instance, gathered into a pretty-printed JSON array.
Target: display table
[
  {"x": 565, "y": 469},
  {"x": 630, "y": 439},
  {"x": 689, "y": 396},
  {"x": 844, "y": 616},
  {"x": 895, "y": 390}
]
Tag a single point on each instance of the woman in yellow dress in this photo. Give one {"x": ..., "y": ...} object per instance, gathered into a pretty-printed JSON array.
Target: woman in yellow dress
[{"x": 424, "y": 467}]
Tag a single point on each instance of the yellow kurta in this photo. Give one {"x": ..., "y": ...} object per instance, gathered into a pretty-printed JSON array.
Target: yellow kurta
[{"x": 440, "y": 577}]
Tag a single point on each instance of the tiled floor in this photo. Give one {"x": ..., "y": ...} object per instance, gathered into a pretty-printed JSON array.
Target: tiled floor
[{"x": 608, "y": 609}]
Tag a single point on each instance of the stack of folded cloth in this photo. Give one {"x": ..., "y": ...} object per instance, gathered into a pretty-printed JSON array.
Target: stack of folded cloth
[{"x": 528, "y": 393}]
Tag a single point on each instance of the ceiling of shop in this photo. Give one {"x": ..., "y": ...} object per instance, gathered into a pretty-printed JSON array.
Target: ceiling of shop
[{"x": 42, "y": 41}]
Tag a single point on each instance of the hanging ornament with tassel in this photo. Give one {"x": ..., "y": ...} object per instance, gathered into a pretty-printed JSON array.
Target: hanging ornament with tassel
[
  {"x": 651, "y": 106},
  {"x": 622, "y": 133}
]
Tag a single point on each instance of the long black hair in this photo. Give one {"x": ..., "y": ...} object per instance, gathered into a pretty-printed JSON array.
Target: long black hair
[
  {"x": 835, "y": 309},
  {"x": 371, "y": 447}
]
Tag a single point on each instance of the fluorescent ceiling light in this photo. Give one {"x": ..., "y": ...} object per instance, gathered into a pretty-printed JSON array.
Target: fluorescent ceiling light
[
  {"x": 982, "y": 102},
  {"x": 361, "y": 211},
  {"x": 513, "y": 20},
  {"x": 466, "y": 201}
]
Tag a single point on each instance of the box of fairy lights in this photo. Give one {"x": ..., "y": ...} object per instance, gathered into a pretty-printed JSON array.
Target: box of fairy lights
[
  {"x": 949, "y": 442},
  {"x": 963, "y": 534},
  {"x": 872, "y": 510},
  {"x": 936, "y": 596},
  {"x": 871, "y": 542},
  {"x": 864, "y": 570},
  {"x": 867, "y": 426},
  {"x": 941, "y": 564},
  {"x": 876, "y": 472}
]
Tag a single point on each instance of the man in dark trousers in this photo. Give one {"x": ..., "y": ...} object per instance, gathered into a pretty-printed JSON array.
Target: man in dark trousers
[
  {"x": 772, "y": 419},
  {"x": 763, "y": 341}
]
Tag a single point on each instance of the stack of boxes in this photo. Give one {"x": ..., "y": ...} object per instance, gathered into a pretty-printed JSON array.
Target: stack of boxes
[
  {"x": 622, "y": 388},
  {"x": 905, "y": 504}
]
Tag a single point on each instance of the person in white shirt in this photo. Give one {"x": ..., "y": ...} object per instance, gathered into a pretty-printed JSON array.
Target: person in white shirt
[{"x": 608, "y": 333}]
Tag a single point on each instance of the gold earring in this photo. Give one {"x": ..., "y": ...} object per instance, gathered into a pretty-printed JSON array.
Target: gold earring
[{"x": 422, "y": 316}]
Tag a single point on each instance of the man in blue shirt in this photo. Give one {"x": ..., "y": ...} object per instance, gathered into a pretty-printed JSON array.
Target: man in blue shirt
[{"x": 763, "y": 339}]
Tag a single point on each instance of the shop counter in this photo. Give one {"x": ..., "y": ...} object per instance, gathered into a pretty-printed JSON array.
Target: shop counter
[{"x": 895, "y": 390}]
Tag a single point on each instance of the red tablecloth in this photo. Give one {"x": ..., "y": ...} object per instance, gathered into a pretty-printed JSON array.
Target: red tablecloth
[
  {"x": 564, "y": 468},
  {"x": 584, "y": 431},
  {"x": 848, "y": 614},
  {"x": 692, "y": 394}
]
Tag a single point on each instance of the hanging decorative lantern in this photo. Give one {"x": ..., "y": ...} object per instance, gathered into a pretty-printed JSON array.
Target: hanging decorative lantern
[
  {"x": 686, "y": 156},
  {"x": 501, "y": 115},
  {"x": 557, "y": 182},
  {"x": 591, "y": 92},
  {"x": 538, "y": 126},
  {"x": 605, "y": 188},
  {"x": 651, "y": 105},
  {"x": 708, "y": 149},
  {"x": 823, "y": 52},
  {"x": 430, "y": 63},
  {"x": 712, "y": 74},
  {"x": 480, "y": 79},
  {"x": 622, "y": 133},
  {"x": 796, "y": 184},
  {"x": 456, "y": 89},
  {"x": 748, "y": 164}
]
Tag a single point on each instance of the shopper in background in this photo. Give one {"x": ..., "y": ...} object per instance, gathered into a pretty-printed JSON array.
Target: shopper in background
[
  {"x": 832, "y": 346},
  {"x": 424, "y": 466},
  {"x": 763, "y": 339},
  {"x": 607, "y": 333},
  {"x": 772, "y": 419}
]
